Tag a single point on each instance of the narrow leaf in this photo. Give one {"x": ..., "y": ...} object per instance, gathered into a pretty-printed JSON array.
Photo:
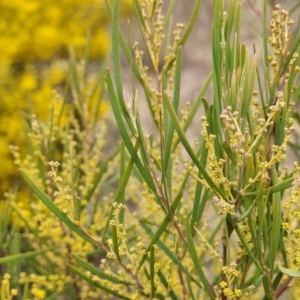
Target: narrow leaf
[
  {"x": 289, "y": 272},
  {"x": 97, "y": 271},
  {"x": 96, "y": 283},
  {"x": 26, "y": 255},
  {"x": 49, "y": 203},
  {"x": 193, "y": 252}
]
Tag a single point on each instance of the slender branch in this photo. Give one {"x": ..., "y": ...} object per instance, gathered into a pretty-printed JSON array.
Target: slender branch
[{"x": 282, "y": 287}]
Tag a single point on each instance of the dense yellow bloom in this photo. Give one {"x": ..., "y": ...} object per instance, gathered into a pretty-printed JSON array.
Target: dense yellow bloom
[{"x": 40, "y": 30}]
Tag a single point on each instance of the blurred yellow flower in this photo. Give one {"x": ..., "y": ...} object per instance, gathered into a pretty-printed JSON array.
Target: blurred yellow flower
[
  {"x": 28, "y": 82},
  {"x": 35, "y": 37}
]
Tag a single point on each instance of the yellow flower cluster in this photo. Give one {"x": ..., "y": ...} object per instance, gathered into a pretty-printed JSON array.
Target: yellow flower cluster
[
  {"x": 6, "y": 293},
  {"x": 281, "y": 36},
  {"x": 227, "y": 286},
  {"x": 154, "y": 35}
]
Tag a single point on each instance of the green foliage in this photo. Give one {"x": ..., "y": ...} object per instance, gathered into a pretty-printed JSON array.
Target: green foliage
[{"x": 161, "y": 216}]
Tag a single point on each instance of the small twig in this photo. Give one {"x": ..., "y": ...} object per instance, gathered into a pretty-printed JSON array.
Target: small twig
[
  {"x": 282, "y": 287},
  {"x": 184, "y": 289},
  {"x": 224, "y": 258},
  {"x": 134, "y": 276},
  {"x": 161, "y": 195}
]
